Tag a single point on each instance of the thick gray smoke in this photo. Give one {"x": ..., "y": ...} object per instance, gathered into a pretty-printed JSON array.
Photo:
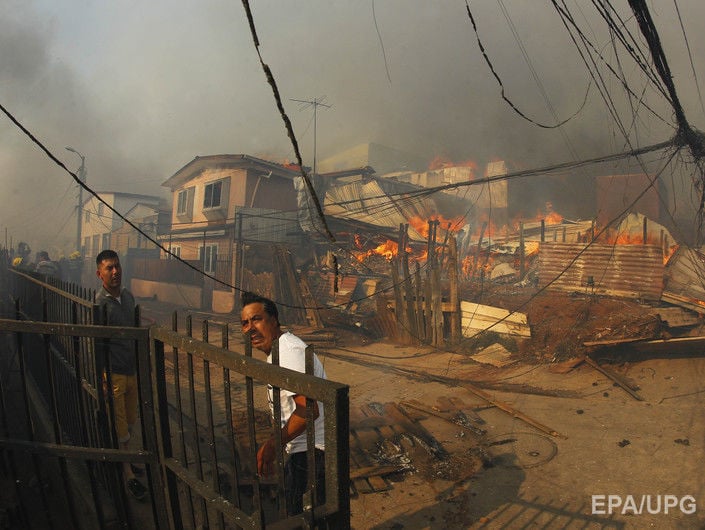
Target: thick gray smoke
[{"x": 142, "y": 89}]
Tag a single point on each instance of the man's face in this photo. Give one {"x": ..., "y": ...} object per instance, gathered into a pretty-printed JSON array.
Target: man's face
[
  {"x": 262, "y": 328},
  {"x": 110, "y": 273}
]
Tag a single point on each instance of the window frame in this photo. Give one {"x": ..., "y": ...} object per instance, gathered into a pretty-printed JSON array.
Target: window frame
[
  {"x": 182, "y": 194},
  {"x": 208, "y": 197},
  {"x": 209, "y": 261}
]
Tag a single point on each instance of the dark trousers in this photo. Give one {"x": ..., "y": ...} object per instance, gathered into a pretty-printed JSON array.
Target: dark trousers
[{"x": 296, "y": 477}]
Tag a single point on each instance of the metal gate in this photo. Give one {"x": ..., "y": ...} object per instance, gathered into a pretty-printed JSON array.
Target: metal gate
[{"x": 199, "y": 424}]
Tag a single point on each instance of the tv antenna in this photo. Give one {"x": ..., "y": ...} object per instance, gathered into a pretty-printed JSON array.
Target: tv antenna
[{"x": 315, "y": 103}]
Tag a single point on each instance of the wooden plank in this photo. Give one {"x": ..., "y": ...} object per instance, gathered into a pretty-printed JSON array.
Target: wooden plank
[
  {"x": 455, "y": 419},
  {"x": 511, "y": 410},
  {"x": 684, "y": 301},
  {"x": 495, "y": 355},
  {"x": 676, "y": 316},
  {"x": 671, "y": 346},
  {"x": 437, "y": 330},
  {"x": 399, "y": 312},
  {"x": 478, "y": 317},
  {"x": 455, "y": 314},
  {"x": 610, "y": 342},
  {"x": 491, "y": 312},
  {"x": 629, "y": 389},
  {"x": 406, "y": 424},
  {"x": 379, "y": 484},
  {"x": 386, "y": 432},
  {"x": 420, "y": 322},
  {"x": 371, "y": 471}
]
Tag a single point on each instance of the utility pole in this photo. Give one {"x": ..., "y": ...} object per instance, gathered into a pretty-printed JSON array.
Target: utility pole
[
  {"x": 315, "y": 103},
  {"x": 79, "y": 207}
]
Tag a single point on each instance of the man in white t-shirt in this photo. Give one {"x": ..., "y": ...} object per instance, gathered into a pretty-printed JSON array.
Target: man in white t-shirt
[{"x": 260, "y": 321}]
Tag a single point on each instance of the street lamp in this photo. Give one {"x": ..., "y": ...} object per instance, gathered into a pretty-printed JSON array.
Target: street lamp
[{"x": 79, "y": 212}]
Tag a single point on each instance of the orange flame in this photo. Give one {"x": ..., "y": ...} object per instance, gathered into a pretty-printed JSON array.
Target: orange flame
[
  {"x": 421, "y": 225},
  {"x": 441, "y": 162},
  {"x": 612, "y": 237},
  {"x": 388, "y": 249},
  {"x": 470, "y": 268},
  {"x": 553, "y": 218}
]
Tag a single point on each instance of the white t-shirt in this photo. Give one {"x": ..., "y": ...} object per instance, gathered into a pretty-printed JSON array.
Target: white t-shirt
[{"x": 292, "y": 355}]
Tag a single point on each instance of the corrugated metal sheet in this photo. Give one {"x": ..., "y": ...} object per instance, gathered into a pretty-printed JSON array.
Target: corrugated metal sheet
[
  {"x": 685, "y": 279},
  {"x": 368, "y": 203},
  {"x": 630, "y": 271}
]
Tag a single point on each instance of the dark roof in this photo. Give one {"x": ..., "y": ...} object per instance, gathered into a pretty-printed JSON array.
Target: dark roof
[{"x": 200, "y": 163}]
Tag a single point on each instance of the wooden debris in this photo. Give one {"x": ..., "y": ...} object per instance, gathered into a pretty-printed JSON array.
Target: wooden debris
[
  {"x": 623, "y": 383},
  {"x": 675, "y": 317},
  {"x": 495, "y": 354},
  {"x": 375, "y": 471},
  {"x": 459, "y": 418},
  {"x": 478, "y": 317},
  {"x": 683, "y": 279},
  {"x": 678, "y": 345},
  {"x": 566, "y": 366},
  {"x": 511, "y": 410}
]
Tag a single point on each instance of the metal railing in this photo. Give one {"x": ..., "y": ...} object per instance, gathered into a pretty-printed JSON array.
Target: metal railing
[{"x": 199, "y": 423}]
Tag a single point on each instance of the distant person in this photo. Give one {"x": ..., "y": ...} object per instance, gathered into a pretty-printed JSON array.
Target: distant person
[
  {"x": 45, "y": 266},
  {"x": 260, "y": 322},
  {"x": 74, "y": 267},
  {"x": 118, "y": 304},
  {"x": 21, "y": 260}
]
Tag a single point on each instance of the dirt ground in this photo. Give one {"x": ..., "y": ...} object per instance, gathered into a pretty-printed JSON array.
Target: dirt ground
[{"x": 564, "y": 445}]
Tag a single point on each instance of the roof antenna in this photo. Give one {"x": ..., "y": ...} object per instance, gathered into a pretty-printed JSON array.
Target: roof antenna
[{"x": 315, "y": 103}]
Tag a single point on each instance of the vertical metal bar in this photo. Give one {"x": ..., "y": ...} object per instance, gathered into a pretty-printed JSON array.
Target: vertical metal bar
[
  {"x": 252, "y": 439},
  {"x": 337, "y": 432},
  {"x": 311, "y": 483},
  {"x": 58, "y": 439},
  {"x": 215, "y": 478},
  {"x": 180, "y": 420},
  {"x": 8, "y": 461},
  {"x": 103, "y": 368},
  {"x": 194, "y": 423},
  {"x": 28, "y": 415},
  {"x": 78, "y": 388},
  {"x": 149, "y": 425},
  {"x": 164, "y": 443},
  {"x": 277, "y": 435},
  {"x": 234, "y": 455}
]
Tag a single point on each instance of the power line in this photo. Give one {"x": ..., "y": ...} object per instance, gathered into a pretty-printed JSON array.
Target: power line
[
  {"x": 501, "y": 84},
  {"x": 287, "y": 123},
  {"x": 381, "y": 44},
  {"x": 537, "y": 79},
  {"x": 690, "y": 56}
]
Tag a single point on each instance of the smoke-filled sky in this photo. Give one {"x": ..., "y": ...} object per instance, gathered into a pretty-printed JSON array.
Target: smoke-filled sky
[{"x": 140, "y": 88}]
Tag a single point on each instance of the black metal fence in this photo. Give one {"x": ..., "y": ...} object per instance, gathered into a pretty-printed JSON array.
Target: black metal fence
[{"x": 200, "y": 424}]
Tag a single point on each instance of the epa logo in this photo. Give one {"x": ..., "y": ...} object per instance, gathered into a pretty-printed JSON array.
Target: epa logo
[{"x": 642, "y": 504}]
